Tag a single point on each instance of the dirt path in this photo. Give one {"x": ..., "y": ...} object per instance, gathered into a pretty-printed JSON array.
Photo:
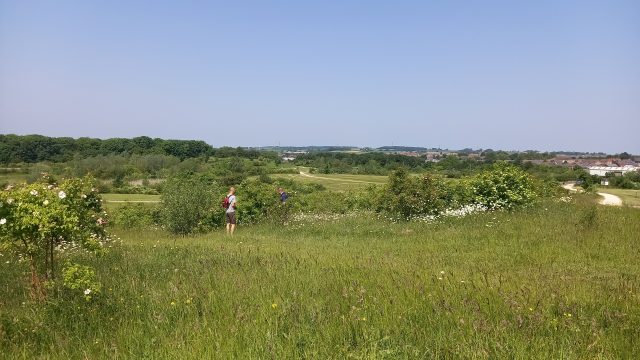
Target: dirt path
[
  {"x": 610, "y": 199},
  {"x": 607, "y": 199},
  {"x": 341, "y": 180}
]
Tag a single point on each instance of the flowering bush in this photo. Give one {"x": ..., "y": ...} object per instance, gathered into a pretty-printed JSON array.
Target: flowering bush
[
  {"x": 41, "y": 220},
  {"x": 503, "y": 187}
]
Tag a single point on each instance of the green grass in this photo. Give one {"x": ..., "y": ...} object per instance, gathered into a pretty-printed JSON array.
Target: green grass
[
  {"x": 114, "y": 201},
  {"x": 554, "y": 281},
  {"x": 629, "y": 197},
  {"x": 130, "y": 197},
  {"x": 13, "y": 178},
  {"x": 336, "y": 182}
]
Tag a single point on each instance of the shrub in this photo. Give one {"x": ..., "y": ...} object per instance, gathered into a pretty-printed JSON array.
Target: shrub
[
  {"x": 405, "y": 197},
  {"x": 186, "y": 200},
  {"x": 42, "y": 220},
  {"x": 257, "y": 201},
  {"x": 503, "y": 187},
  {"x": 136, "y": 216}
]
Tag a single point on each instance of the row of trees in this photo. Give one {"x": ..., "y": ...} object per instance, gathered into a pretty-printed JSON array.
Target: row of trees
[{"x": 38, "y": 148}]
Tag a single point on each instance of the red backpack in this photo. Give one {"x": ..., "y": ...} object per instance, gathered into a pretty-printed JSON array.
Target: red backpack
[{"x": 225, "y": 202}]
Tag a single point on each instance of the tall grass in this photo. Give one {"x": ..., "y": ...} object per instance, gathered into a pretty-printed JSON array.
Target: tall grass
[{"x": 553, "y": 281}]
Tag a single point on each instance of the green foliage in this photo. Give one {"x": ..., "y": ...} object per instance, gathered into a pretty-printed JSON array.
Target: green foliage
[
  {"x": 186, "y": 199},
  {"x": 405, "y": 197},
  {"x": 503, "y": 187},
  {"x": 630, "y": 180},
  {"x": 82, "y": 278},
  {"x": 41, "y": 220},
  {"x": 131, "y": 216}
]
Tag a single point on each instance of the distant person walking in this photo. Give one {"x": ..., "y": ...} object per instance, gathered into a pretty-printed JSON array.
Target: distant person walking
[
  {"x": 283, "y": 195},
  {"x": 230, "y": 213},
  {"x": 284, "y": 208}
]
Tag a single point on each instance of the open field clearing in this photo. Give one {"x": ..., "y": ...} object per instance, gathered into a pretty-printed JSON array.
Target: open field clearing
[
  {"x": 336, "y": 182},
  {"x": 13, "y": 177},
  {"x": 130, "y": 198},
  {"x": 558, "y": 280}
]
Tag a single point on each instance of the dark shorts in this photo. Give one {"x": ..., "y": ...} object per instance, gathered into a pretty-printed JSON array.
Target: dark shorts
[{"x": 231, "y": 218}]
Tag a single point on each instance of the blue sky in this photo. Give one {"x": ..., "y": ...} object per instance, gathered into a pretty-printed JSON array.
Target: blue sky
[{"x": 512, "y": 75}]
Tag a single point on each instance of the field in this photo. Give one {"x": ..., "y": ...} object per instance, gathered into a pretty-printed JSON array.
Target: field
[
  {"x": 130, "y": 197},
  {"x": 558, "y": 280},
  {"x": 336, "y": 182},
  {"x": 629, "y": 197}
]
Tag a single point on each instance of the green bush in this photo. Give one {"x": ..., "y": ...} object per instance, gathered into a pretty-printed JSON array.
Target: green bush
[
  {"x": 503, "y": 187},
  {"x": 405, "y": 196},
  {"x": 132, "y": 216},
  {"x": 186, "y": 200}
]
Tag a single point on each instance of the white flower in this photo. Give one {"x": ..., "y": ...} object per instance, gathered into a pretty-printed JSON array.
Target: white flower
[
  {"x": 50, "y": 187},
  {"x": 62, "y": 195},
  {"x": 87, "y": 292},
  {"x": 442, "y": 272},
  {"x": 9, "y": 201},
  {"x": 3, "y": 221},
  {"x": 34, "y": 192},
  {"x": 46, "y": 202},
  {"x": 84, "y": 196}
]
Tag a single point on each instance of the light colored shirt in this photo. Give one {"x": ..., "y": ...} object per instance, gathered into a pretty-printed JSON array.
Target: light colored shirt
[{"x": 232, "y": 204}]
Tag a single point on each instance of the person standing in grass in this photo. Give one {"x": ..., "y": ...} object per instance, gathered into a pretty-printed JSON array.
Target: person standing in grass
[
  {"x": 283, "y": 196},
  {"x": 284, "y": 208},
  {"x": 230, "y": 213}
]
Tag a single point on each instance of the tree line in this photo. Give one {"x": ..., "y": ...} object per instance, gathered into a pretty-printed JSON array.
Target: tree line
[{"x": 38, "y": 148}]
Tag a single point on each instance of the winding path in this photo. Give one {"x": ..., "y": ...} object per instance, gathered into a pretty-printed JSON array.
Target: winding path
[{"x": 607, "y": 199}]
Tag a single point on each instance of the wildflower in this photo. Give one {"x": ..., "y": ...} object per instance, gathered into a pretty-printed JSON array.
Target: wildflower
[
  {"x": 84, "y": 196},
  {"x": 87, "y": 292},
  {"x": 34, "y": 192},
  {"x": 188, "y": 301},
  {"x": 442, "y": 272},
  {"x": 274, "y": 306},
  {"x": 9, "y": 201},
  {"x": 45, "y": 203},
  {"x": 173, "y": 303},
  {"x": 62, "y": 195},
  {"x": 3, "y": 221}
]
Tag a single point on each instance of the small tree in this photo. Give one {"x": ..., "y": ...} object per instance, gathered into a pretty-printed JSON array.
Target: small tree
[
  {"x": 41, "y": 220},
  {"x": 504, "y": 186},
  {"x": 186, "y": 199},
  {"x": 405, "y": 196}
]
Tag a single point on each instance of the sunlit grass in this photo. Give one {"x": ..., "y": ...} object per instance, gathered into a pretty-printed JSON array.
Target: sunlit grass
[{"x": 553, "y": 281}]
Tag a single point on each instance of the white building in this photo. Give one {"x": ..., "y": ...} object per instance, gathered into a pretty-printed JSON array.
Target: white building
[{"x": 616, "y": 170}]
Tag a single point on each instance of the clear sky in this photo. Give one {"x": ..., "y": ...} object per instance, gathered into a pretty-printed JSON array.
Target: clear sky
[{"x": 511, "y": 75}]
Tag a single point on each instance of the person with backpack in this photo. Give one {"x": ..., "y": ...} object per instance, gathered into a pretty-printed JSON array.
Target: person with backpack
[{"x": 229, "y": 204}]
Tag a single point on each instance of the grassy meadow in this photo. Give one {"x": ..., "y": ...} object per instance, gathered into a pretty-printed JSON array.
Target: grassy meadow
[{"x": 557, "y": 280}]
